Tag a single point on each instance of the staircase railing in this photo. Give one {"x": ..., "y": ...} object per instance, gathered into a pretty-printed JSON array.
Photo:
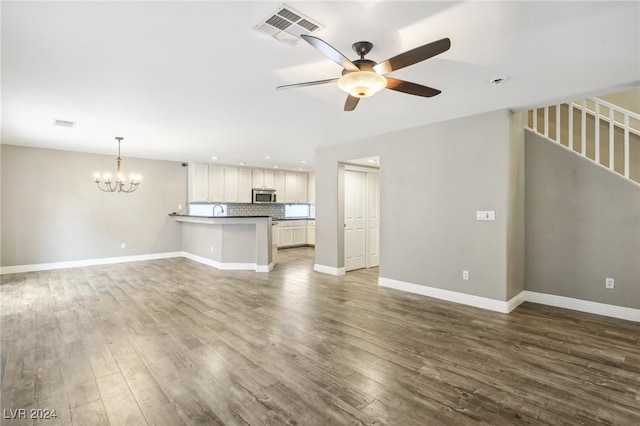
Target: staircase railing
[{"x": 597, "y": 130}]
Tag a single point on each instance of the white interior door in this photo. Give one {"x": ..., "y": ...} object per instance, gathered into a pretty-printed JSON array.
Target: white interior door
[
  {"x": 354, "y": 220},
  {"x": 373, "y": 221}
]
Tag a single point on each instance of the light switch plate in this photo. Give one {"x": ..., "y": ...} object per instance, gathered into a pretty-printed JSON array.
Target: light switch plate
[{"x": 486, "y": 215}]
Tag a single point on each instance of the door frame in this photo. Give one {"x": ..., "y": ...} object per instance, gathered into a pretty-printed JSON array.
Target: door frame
[{"x": 343, "y": 167}]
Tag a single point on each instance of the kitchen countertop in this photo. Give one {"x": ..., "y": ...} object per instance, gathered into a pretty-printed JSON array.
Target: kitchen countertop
[
  {"x": 240, "y": 216},
  {"x": 217, "y": 217}
]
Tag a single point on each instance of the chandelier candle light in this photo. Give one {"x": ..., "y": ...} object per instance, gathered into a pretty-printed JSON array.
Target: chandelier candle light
[{"x": 120, "y": 185}]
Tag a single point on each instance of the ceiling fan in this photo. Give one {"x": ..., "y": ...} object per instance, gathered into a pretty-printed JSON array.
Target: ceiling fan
[{"x": 362, "y": 77}]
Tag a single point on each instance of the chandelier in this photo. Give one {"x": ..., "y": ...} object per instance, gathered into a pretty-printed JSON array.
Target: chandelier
[{"x": 120, "y": 184}]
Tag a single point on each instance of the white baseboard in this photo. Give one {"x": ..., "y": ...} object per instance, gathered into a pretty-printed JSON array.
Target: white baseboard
[
  {"x": 87, "y": 262},
  {"x": 517, "y": 300},
  {"x": 620, "y": 312},
  {"x": 265, "y": 268},
  {"x": 328, "y": 269},
  {"x": 452, "y": 296},
  {"x": 111, "y": 260},
  {"x": 235, "y": 266}
]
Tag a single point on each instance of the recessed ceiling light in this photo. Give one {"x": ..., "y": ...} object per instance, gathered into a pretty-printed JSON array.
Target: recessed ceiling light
[
  {"x": 499, "y": 80},
  {"x": 214, "y": 158},
  {"x": 304, "y": 161},
  {"x": 300, "y": 170},
  {"x": 276, "y": 167},
  {"x": 63, "y": 123},
  {"x": 242, "y": 163},
  {"x": 268, "y": 157},
  {"x": 372, "y": 160}
]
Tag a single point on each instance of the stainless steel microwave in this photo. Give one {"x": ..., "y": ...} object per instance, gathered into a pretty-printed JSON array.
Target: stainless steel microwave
[{"x": 261, "y": 195}]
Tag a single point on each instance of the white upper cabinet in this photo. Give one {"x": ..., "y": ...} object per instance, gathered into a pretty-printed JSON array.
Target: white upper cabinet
[
  {"x": 216, "y": 183},
  {"x": 279, "y": 184},
  {"x": 269, "y": 179},
  {"x": 237, "y": 185},
  {"x": 244, "y": 185},
  {"x": 264, "y": 178},
  {"x": 198, "y": 182},
  {"x": 290, "y": 187},
  {"x": 311, "y": 193},
  {"x": 302, "y": 189},
  {"x": 230, "y": 184},
  {"x": 295, "y": 187}
]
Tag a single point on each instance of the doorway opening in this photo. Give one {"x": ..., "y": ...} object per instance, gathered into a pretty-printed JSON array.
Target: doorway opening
[{"x": 361, "y": 213}]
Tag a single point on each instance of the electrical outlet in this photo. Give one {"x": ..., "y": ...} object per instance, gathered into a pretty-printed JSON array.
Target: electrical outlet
[
  {"x": 465, "y": 275},
  {"x": 609, "y": 283},
  {"x": 212, "y": 248},
  {"x": 486, "y": 215},
  {"x": 123, "y": 245}
]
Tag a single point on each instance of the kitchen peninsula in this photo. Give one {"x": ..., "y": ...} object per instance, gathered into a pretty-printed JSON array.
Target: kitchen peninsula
[{"x": 228, "y": 242}]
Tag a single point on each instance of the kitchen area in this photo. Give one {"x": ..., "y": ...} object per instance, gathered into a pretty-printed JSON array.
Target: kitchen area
[{"x": 229, "y": 206}]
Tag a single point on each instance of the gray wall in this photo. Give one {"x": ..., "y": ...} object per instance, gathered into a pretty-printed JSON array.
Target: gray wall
[
  {"x": 515, "y": 180},
  {"x": 582, "y": 225},
  {"x": 52, "y": 211},
  {"x": 432, "y": 181},
  {"x": 225, "y": 244}
]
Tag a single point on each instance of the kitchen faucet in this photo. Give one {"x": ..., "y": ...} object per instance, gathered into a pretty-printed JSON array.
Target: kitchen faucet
[{"x": 221, "y": 209}]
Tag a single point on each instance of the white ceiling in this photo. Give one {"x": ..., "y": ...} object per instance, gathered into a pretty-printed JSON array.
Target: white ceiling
[{"x": 188, "y": 80}]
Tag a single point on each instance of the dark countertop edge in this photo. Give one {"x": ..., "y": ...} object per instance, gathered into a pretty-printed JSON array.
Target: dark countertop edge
[
  {"x": 293, "y": 218},
  {"x": 216, "y": 217}
]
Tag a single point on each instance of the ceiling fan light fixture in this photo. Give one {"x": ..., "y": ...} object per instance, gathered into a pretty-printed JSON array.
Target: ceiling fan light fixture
[{"x": 362, "y": 84}]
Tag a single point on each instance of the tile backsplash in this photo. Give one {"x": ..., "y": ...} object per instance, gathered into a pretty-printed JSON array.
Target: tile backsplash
[
  {"x": 274, "y": 210},
  {"x": 245, "y": 209}
]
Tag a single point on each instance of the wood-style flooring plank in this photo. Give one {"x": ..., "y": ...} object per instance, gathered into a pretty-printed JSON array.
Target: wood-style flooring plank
[
  {"x": 119, "y": 403},
  {"x": 91, "y": 413},
  {"x": 151, "y": 399},
  {"x": 176, "y": 342}
]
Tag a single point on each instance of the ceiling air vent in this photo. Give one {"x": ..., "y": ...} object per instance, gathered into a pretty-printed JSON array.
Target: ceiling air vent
[
  {"x": 63, "y": 123},
  {"x": 287, "y": 25}
]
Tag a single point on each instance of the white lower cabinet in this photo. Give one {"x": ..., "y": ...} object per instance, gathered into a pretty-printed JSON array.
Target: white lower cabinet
[
  {"x": 275, "y": 235},
  {"x": 311, "y": 232},
  {"x": 286, "y": 236},
  {"x": 300, "y": 234},
  {"x": 290, "y": 233}
]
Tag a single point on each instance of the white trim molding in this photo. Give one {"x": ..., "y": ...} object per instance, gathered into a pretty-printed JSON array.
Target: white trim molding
[
  {"x": 86, "y": 262},
  {"x": 265, "y": 268},
  {"x": 328, "y": 269},
  {"x": 620, "y": 312},
  {"x": 111, "y": 260},
  {"x": 453, "y": 296},
  {"x": 228, "y": 266}
]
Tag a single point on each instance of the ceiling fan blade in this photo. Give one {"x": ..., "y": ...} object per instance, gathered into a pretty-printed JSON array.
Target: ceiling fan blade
[
  {"x": 411, "y": 88},
  {"x": 308, "y": 83},
  {"x": 413, "y": 56},
  {"x": 351, "y": 103},
  {"x": 330, "y": 52}
]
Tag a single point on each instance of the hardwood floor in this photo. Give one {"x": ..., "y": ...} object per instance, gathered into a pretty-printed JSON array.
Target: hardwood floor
[{"x": 176, "y": 342}]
